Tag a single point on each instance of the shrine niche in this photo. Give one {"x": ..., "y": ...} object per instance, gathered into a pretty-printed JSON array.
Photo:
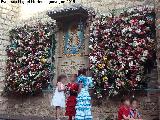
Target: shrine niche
[
  {"x": 73, "y": 43},
  {"x": 72, "y": 46}
]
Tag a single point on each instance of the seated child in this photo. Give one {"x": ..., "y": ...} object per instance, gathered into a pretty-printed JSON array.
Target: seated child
[
  {"x": 134, "y": 112},
  {"x": 124, "y": 110}
]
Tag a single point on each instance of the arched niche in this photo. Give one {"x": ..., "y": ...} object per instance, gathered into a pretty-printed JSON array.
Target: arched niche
[{"x": 72, "y": 40}]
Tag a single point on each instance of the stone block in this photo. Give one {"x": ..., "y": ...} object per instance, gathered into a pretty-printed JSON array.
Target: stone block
[
  {"x": 96, "y": 0},
  {"x": 8, "y": 7},
  {"x": 6, "y": 42},
  {"x": 5, "y": 11},
  {"x": 5, "y": 37},
  {"x": 1, "y": 21},
  {"x": 108, "y": 1},
  {"x": 1, "y": 79},
  {"x": 120, "y": 6},
  {"x": 3, "y": 16}
]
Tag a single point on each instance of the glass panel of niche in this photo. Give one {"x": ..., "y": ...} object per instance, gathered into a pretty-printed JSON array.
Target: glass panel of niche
[{"x": 74, "y": 40}]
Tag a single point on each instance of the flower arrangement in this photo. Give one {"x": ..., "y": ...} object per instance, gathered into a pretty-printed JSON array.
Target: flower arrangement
[
  {"x": 122, "y": 49},
  {"x": 30, "y": 58}
]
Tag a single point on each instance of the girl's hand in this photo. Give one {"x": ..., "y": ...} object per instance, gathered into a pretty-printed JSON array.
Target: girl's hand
[
  {"x": 67, "y": 95},
  {"x": 132, "y": 119},
  {"x": 80, "y": 87},
  {"x": 66, "y": 87},
  {"x": 60, "y": 87},
  {"x": 81, "y": 84}
]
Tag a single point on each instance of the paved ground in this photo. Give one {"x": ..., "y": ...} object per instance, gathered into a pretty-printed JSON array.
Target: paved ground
[
  {"x": 6, "y": 117},
  {"x": 26, "y": 118}
]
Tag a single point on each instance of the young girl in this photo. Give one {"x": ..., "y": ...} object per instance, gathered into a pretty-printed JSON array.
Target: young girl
[
  {"x": 58, "y": 99},
  {"x": 72, "y": 89},
  {"x": 83, "y": 106},
  {"x": 134, "y": 112}
]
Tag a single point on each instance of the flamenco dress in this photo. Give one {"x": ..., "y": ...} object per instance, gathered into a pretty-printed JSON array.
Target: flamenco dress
[
  {"x": 83, "y": 106},
  {"x": 71, "y": 100}
]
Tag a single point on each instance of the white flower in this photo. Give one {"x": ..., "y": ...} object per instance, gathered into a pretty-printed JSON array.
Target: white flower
[
  {"x": 109, "y": 14},
  {"x": 91, "y": 47},
  {"x": 115, "y": 92},
  {"x": 135, "y": 43},
  {"x": 91, "y": 39},
  {"x": 126, "y": 71},
  {"x": 93, "y": 59},
  {"x": 130, "y": 29},
  {"x": 141, "y": 22},
  {"x": 131, "y": 63},
  {"x": 138, "y": 78},
  {"x": 150, "y": 40},
  {"x": 123, "y": 65},
  {"x": 124, "y": 30},
  {"x": 103, "y": 72},
  {"x": 107, "y": 30},
  {"x": 16, "y": 74},
  {"x": 20, "y": 59},
  {"x": 126, "y": 19},
  {"x": 130, "y": 35},
  {"x": 130, "y": 10},
  {"x": 143, "y": 59},
  {"x": 145, "y": 53},
  {"x": 138, "y": 31},
  {"x": 135, "y": 39},
  {"x": 95, "y": 32},
  {"x": 136, "y": 14}
]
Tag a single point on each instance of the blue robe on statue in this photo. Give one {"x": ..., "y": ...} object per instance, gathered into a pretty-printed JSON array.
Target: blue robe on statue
[{"x": 83, "y": 106}]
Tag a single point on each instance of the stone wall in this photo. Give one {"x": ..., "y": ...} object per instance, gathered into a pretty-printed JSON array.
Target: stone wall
[
  {"x": 9, "y": 14},
  {"x": 40, "y": 105},
  {"x": 103, "y": 6},
  {"x": 158, "y": 44}
]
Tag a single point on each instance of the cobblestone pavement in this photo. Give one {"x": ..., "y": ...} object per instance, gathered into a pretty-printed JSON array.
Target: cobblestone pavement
[
  {"x": 26, "y": 118},
  {"x": 7, "y": 117},
  {"x": 34, "y": 119}
]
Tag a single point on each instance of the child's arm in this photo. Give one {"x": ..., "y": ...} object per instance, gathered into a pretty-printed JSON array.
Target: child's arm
[
  {"x": 138, "y": 119},
  {"x": 80, "y": 87},
  {"x": 60, "y": 88},
  {"x": 127, "y": 118},
  {"x": 138, "y": 115}
]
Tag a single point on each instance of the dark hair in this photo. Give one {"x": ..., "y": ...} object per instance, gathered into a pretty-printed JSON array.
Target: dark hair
[
  {"x": 133, "y": 99},
  {"x": 60, "y": 77},
  {"x": 82, "y": 71},
  {"x": 124, "y": 99},
  {"x": 75, "y": 75}
]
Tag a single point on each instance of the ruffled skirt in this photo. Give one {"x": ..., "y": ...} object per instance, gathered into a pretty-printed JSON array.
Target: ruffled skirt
[{"x": 83, "y": 106}]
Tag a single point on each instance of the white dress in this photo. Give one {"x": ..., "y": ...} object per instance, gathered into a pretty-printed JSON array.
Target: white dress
[{"x": 58, "y": 98}]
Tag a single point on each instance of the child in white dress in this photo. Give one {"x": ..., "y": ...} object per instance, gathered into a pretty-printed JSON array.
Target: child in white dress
[{"x": 58, "y": 99}]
